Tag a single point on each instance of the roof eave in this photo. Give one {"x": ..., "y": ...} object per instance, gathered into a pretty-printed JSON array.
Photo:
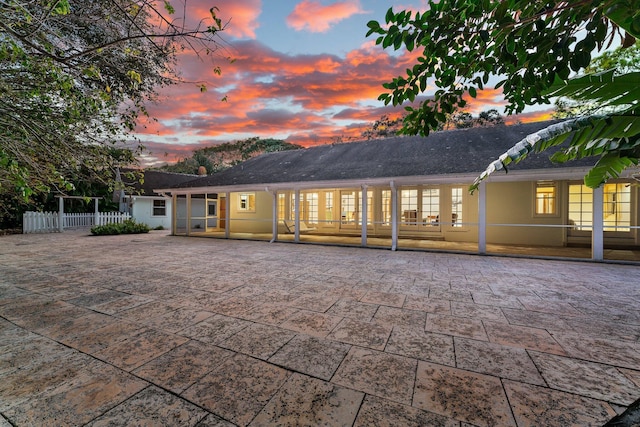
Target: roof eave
[{"x": 464, "y": 178}]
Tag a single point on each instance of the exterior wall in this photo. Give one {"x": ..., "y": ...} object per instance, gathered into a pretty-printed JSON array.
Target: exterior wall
[
  {"x": 258, "y": 220},
  {"x": 513, "y": 203},
  {"x": 141, "y": 209},
  {"x": 511, "y": 218}
]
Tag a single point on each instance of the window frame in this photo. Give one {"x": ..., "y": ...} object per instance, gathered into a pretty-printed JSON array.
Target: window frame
[
  {"x": 163, "y": 207},
  {"x": 554, "y": 199},
  {"x": 250, "y": 206}
]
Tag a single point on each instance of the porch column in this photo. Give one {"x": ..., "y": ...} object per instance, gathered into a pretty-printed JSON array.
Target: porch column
[
  {"x": 296, "y": 219},
  {"x": 174, "y": 214},
  {"x": 96, "y": 220},
  {"x": 597, "y": 234},
  {"x": 227, "y": 214},
  {"x": 274, "y": 212},
  {"x": 364, "y": 215},
  {"x": 188, "y": 214},
  {"x": 394, "y": 217},
  {"x": 482, "y": 218},
  {"x": 60, "y": 214}
]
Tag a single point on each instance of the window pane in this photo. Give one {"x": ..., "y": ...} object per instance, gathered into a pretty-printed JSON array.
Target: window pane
[
  {"x": 386, "y": 207},
  {"x": 310, "y": 208},
  {"x": 247, "y": 202},
  {"x": 456, "y": 206},
  {"x": 580, "y": 207},
  {"x": 545, "y": 199},
  {"x": 159, "y": 207},
  {"x": 328, "y": 207},
  {"x": 281, "y": 206},
  {"x": 431, "y": 206},
  {"x": 409, "y": 206},
  {"x": 348, "y": 207},
  {"x": 617, "y": 207}
]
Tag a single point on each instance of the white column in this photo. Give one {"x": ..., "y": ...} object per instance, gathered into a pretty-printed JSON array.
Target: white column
[
  {"x": 394, "y": 217},
  {"x": 60, "y": 214},
  {"x": 482, "y": 218},
  {"x": 96, "y": 220},
  {"x": 597, "y": 234},
  {"x": 188, "y": 214},
  {"x": 296, "y": 219},
  {"x": 274, "y": 225},
  {"x": 227, "y": 215},
  {"x": 364, "y": 215},
  {"x": 174, "y": 214}
]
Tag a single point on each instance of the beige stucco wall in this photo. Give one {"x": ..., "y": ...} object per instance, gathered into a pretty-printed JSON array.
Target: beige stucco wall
[
  {"x": 259, "y": 221},
  {"x": 513, "y": 203}
]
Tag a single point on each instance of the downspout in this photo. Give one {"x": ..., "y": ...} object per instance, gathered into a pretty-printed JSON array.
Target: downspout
[{"x": 394, "y": 216}]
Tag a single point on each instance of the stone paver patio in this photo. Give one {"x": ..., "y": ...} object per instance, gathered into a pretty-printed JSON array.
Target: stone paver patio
[{"x": 160, "y": 330}]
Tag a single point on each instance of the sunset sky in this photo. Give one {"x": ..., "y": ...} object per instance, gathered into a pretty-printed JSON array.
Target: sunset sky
[{"x": 303, "y": 72}]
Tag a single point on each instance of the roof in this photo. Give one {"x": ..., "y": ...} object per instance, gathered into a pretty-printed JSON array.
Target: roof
[
  {"x": 159, "y": 179},
  {"x": 460, "y": 151}
]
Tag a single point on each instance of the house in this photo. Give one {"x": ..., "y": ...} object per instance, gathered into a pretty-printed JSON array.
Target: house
[
  {"x": 146, "y": 205},
  {"x": 412, "y": 192}
]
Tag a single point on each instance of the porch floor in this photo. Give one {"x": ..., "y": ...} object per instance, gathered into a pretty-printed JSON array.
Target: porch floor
[
  {"x": 154, "y": 329},
  {"x": 569, "y": 252}
]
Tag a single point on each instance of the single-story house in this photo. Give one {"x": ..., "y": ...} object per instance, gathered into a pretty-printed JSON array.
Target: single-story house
[
  {"x": 412, "y": 192},
  {"x": 146, "y": 205}
]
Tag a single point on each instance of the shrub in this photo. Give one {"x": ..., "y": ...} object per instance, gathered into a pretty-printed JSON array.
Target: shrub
[
  {"x": 127, "y": 227},
  {"x": 159, "y": 227}
]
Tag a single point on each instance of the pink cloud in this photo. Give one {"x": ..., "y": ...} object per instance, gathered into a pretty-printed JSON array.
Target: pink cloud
[
  {"x": 263, "y": 86},
  {"x": 314, "y": 17}
]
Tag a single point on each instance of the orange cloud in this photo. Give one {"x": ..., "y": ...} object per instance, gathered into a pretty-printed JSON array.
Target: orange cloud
[
  {"x": 241, "y": 15},
  {"x": 530, "y": 117},
  {"x": 314, "y": 17}
]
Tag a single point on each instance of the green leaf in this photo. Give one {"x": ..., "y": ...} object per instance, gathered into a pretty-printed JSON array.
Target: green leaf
[
  {"x": 169, "y": 7},
  {"x": 608, "y": 167},
  {"x": 606, "y": 89}
]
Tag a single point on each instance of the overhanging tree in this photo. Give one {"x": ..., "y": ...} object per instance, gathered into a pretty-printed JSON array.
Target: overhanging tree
[
  {"x": 74, "y": 78},
  {"x": 534, "y": 48}
]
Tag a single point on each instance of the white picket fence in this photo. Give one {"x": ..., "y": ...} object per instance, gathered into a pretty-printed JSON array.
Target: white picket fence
[{"x": 49, "y": 222}]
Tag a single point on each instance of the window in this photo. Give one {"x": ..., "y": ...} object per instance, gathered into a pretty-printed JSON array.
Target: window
[
  {"x": 456, "y": 206},
  {"x": 212, "y": 208},
  {"x": 247, "y": 202},
  {"x": 282, "y": 200},
  {"x": 546, "y": 196},
  {"x": 159, "y": 208},
  {"x": 348, "y": 207},
  {"x": 328, "y": 207},
  {"x": 580, "y": 207},
  {"x": 310, "y": 207},
  {"x": 430, "y": 207},
  {"x": 386, "y": 207},
  {"x": 616, "y": 207},
  {"x": 409, "y": 206}
]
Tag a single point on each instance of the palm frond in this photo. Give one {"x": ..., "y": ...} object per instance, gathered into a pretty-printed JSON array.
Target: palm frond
[{"x": 587, "y": 136}]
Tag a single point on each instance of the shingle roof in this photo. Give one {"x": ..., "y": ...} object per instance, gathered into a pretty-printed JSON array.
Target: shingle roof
[
  {"x": 159, "y": 179},
  {"x": 450, "y": 152}
]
